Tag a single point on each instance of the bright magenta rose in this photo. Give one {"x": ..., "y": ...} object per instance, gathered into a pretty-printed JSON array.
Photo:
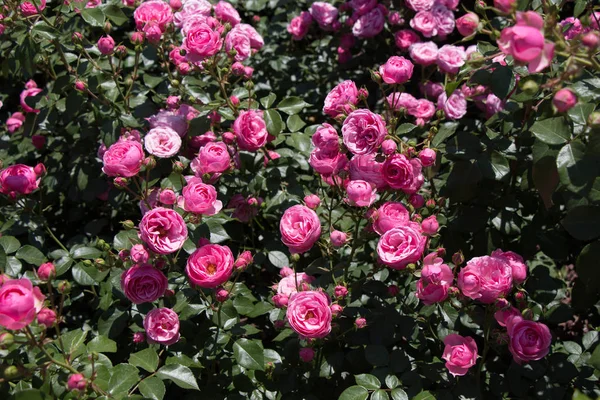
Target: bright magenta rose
[
  {"x": 363, "y": 131},
  {"x": 529, "y": 341},
  {"x": 163, "y": 230},
  {"x": 143, "y": 284},
  {"x": 401, "y": 173},
  {"x": 360, "y": 193},
  {"x": 485, "y": 279},
  {"x": 19, "y": 303},
  {"x": 210, "y": 266},
  {"x": 123, "y": 158},
  {"x": 365, "y": 167},
  {"x": 300, "y": 228},
  {"x": 250, "y": 130},
  {"x": 516, "y": 262},
  {"x": 401, "y": 246},
  {"x": 18, "y": 179},
  {"x": 460, "y": 354},
  {"x": 153, "y": 14},
  {"x": 326, "y": 138},
  {"x": 200, "y": 198},
  {"x": 309, "y": 314},
  {"x": 396, "y": 70},
  {"x": 299, "y": 25},
  {"x": 29, "y": 92},
  {"x": 162, "y": 326},
  {"x": 213, "y": 158},
  {"x": 162, "y": 142},
  {"x": 341, "y": 99},
  {"x": 202, "y": 41},
  {"x": 390, "y": 215}
]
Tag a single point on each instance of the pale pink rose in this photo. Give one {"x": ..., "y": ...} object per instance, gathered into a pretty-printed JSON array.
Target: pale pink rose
[
  {"x": 390, "y": 215},
  {"x": 312, "y": 201},
  {"x": 29, "y": 92},
  {"x": 256, "y": 40},
  {"x": 405, "y": 38},
  {"x": 493, "y": 105},
  {"x": 153, "y": 15},
  {"x": 460, "y": 354},
  {"x": 365, "y": 167},
  {"x": 163, "y": 230},
  {"x": 286, "y": 271},
  {"x": 427, "y": 157},
  {"x": 18, "y": 179},
  {"x": 388, "y": 147},
  {"x": 191, "y": 8},
  {"x": 15, "y": 121},
  {"x": 169, "y": 119},
  {"x": 202, "y": 41},
  {"x": 485, "y": 279},
  {"x": 210, "y": 266},
  {"x": 401, "y": 173},
  {"x": 468, "y": 24},
  {"x": 444, "y": 19},
  {"x": 505, "y": 6},
  {"x": 425, "y": 53},
  {"x": 76, "y": 382},
  {"x": 341, "y": 99},
  {"x": 363, "y": 131},
  {"x": 436, "y": 278},
  {"x": 432, "y": 90},
  {"x": 143, "y": 284},
  {"x": 250, "y": 130},
  {"x": 299, "y": 25},
  {"x": 401, "y": 101},
  {"x": 20, "y": 302},
  {"x": 227, "y": 13},
  {"x": 455, "y": 106},
  {"x": 370, "y": 24},
  {"x": 360, "y": 193},
  {"x": 564, "y": 100},
  {"x": 451, "y": 58},
  {"x": 300, "y": 228},
  {"x": 309, "y": 314},
  {"x": 502, "y": 316},
  {"x": 401, "y": 246},
  {"x": 338, "y": 238},
  {"x": 200, "y": 198},
  {"x": 139, "y": 254},
  {"x": 162, "y": 142},
  {"x": 324, "y": 13},
  {"x": 423, "y": 111},
  {"x": 396, "y": 70},
  {"x": 290, "y": 284},
  {"x": 528, "y": 340},
  {"x": 162, "y": 326},
  {"x": 326, "y": 138},
  {"x": 430, "y": 225},
  {"x": 425, "y": 23},
  {"x": 237, "y": 40},
  {"x": 516, "y": 263},
  {"x": 213, "y": 158},
  {"x": 46, "y": 271},
  {"x": 123, "y": 158},
  {"x": 28, "y": 8},
  {"x": 280, "y": 300},
  {"x": 420, "y": 5},
  {"x": 327, "y": 162}
]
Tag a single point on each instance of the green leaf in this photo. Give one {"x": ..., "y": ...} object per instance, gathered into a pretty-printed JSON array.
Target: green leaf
[
  {"x": 502, "y": 81},
  {"x": 274, "y": 122},
  {"x": 368, "y": 381},
  {"x": 446, "y": 131},
  {"x": 72, "y": 340},
  {"x": 391, "y": 381},
  {"x": 93, "y": 16},
  {"x": 181, "y": 375},
  {"x": 13, "y": 266},
  {"x": 399, "y": 394},
  {"x": 152, "y": 388},
  {"x": 494, "y": 166},
  {"x": 292, "y": 105},
  {"x": 580, "y": 112},
  {"x": 115, "y": 14},
  {"x": 125, "y": 239},
  {"x": 575, "y": 170},
  {"x": 278, "y": 259},
  {"x": 552, "y": 130},
  {"x": 377, "y": 355},
  {"x": 218, "y": 234},
  {"x": 572, "y": 348},
  {"x": 579, "y": 7},
  {"x": 44, "y": 30},
  {"x": 249, "y": 354},
  {"x": 380, "y": 395},
  {"x": 31, "y": 255},
  {"x": 583, "y": 222},
  {"x": 10, "y": 244},
  {"x": 3, "y": 260},
  {"x": 405, "y": 128},
  {"x": 587, "y": 266},
  {"x": 29, "y": 394},
  {"x": 595, "y": 359},
  {"x": 88, "y": 276},
  {"x": 102, "y": 344},
  {"x": 123, "y": 377},
  {"x": 424, "y": 395},
  {"x": 146, "y": 359},
  {"x": 354, "y": 393},
  {"x": 295, "y": 123},
  {"x": 88, "y": 253},
  {"x": 268, "y": 101}
]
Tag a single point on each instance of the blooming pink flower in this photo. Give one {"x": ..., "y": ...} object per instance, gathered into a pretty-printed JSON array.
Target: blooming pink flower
[
  {"x": 451, "y": 58},
  {"x": 502, "y": 316},
  {"x": 326, "y": 138},
  {"x": 390, "y": 215},
  {"x": 237, "y": 40},
  {"x": 401, "y": 173},
  {"x": 20, "y": 302},
  {"x": 18, "y": 179},
  {"x": 365, "y": 167},
  {"x": 396, "y": 70},
  {"x": 201, "y": 41},
  {"x": 436, "y": 279},
  {"x": 401, "y": 246},
  {"x": 324, "y": 13},
  {"x": 106, "y": 45},
  {"x": 210, "y": 266},
  {"x": 405, "y": 38},
  {"x": 363, "y": 131},
  {"x": 153, "y": 17},
  {"x": 28, "y": 8},
  {"x": 227, "y": 13},
  {"x": 516, "y": 263},
  {"x": 290, "y": 283},
  {"x": 123, "y": 158},
  {"x": 162, "y": 326},
  {"x": 162, "y": 142},
  {"x": 430, "y": 225},
  {"x": 169, "y": 119},
  {"x": 163, "y": 230},
  {"x": 29, "y": 92},
  {"x": 420, "y": 5},
  {"x": 15, "y": 121},
  {"x": 444, "y": 20},
  {"x": 341, "y": 99},
  {"x": 485, "y": 279},
  {"x": 250, "y": 130},
  {"x": 143, "y": 284},
  {"x": 425, "y": 23},
  {"x": 200, "y": 198},
  {"x": 427, "y": 157},
  {"x": 460, "y": 354},
  {"x": 300, "y": 228},
  {"x": 529, "y": 341},
  {"x": 309, "y": 314},
  {"x": 505, "y": 6},
  {"x": 213, "y": 158},
  {"x": 370, "y": 24},
  {"x": 360, "y": 193},
  {"x": 425, "y": 53},
  {"x": 327, "y": 162},
  {"x": 307, "y": 354},
  {"x": 455, "y": 106},
  {"x": 190, "y": 9},
  {"x": 299, "y": 25}
]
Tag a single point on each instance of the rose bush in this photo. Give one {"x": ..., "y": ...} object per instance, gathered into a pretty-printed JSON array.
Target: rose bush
[{"x": 338, "y": 199}]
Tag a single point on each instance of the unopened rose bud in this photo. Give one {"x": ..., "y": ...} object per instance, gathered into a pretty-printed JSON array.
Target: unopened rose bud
[
  {"x": 11, "y": 372},
  {"x": 124, "y": 255},
  {"x": 441, "y": 252},
  {"x": 139, "y": 337},
  {"x": 360, "y": 323},
  {"x": 39, "y": 169},
  {"x": 243, "y": 260},
  {"x": 167, "y": 197},
  {"x": 529, "y": 86},
  {"x": 106, "y": 45},
  {"x": 591, "y": 40},
  {"x": 338, "y": 238},
  {"x": 388, "y": 147},
  {"x": 229, "y": 137},
  {"x": 340, "y": 292},
  {"x": 76, "y": 37},
  {"x": 46, "y": 317},
  {"x": 453, "y": 291},
  {"x": 312, "y": 201},
  {"x": 411, "y": 267},
  {"x": 416, "y": 200},
  {"x": 76, "y": 382},
  {"x": 336, "y": 310},
  {"x": 46, "y": 271},
  {"x": 502, "y": 303},
  {"x": 376, "y": 76},
  {"x": 178, "y": 167},
  {"x": 594, "y": 119},
  {"x": 79, "y": 85},
  {"x": 307, "y": 354},
  {"x": 175, "y": 4},
  {"x": 363, "y": 94},
  {"x": 430, "y": 204},
  {"x": 527, "y": 313},
  {"x": 120, "y": 182},
  {"x": 430, "y": 225},
  {"x": 417, "y": 218},
  {"x": 295, "y": 257},
  {"x": 128, "y": 224},
  {"x": 120, "y": 50},
  {"x": 64, "y": 287},
  {"x": 221, "y": 294},
  {"x": 6, "y": 339},
  {"x": 137, "y": 38},
  {"x": 520, "y": 296},
  {"x": 458, "y": 258},
  {"x": 169, "y": 293},
  {"x": 393, "y": 290},
  {"x": 255, "y": 18},
  {"x": 280, "y": 300}
]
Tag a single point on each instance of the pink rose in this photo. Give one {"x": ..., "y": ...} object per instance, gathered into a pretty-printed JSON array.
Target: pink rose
[
  {"x": 338, "y": 238},
  {"x": 243, "y": 260},
  {"x": 29, "y": 92},
  {"x": 280, "y": 300},
  {"x": 290, "y": 284},
  {"x": 324, "y": 13},
  {"x": 420, "y": 5},
  {"x": 460, "y": 354},
  {"x": 529, "y": 341},
  {"x": 564, "y": 100},
  {"x": 363, "y": 131},
  {"x": 139, "y": 254},
  {"x": 401, "y": 246},
  {"x": 213, "y": 158},
  {"x": 505, "y": 6},
  {"x": 493, "y": 105},
  {"x": 430, "y": 225},
  {"x": 370, "y": 24},
  {"x": 327, "y": 162},
  {"x": 432, "y": 90},
  {"x": 341, "y": 99},
  {"x": 436, "y": 278},
  {"x": 18, "y": 179},
  {"x": 162, "y": 142},
  {"x": 143, "y": 284},
  {"x": 309, "y": 314},
  {"x": 123, "y": 158},
  {"x": 169, "y": 119},
  {"x": 455, "y": 106},
  {"x": 388, "y": 147},
  {"x": 106, "y": 45},
  {"x": 250, "y": 130},
  {"x": 425, "y": 23},
  {"x": 390, "y": 215},
  {"x": 28, "y": 8},
  {"x": 405, "y": 38},
  {"x": 516, "y": 263},
  {"x": 227, "y": 13},
  {"x": 326, "y": 138},
  {"x": 46, "y": 271},
  {"x": 237, "y": 40},
  {"x": 210, "y": 266},
  {"x": 19, "y": 303},
  {"x": 162, "y": 326},
  {"x": 153, "y": 14},
  {"x": 401, "y": 101},
  {"x": 361, "y": 7},
  {"x": 300, "y": 228},
  {"x": 485, "y": 279},
  {"x": 299, "y": 25},
  {"x": 360, "y": 193},
  {"x": 423, "y": 111},
  {"x": 502, "y": 316},
  {"x": 76, "y": 382},
  {"x": 200, "y": 198},
  {"x": 256, "y": 41},
  {"x": 424, "y": 53},
  {"x": 396, "y": 70},
  {"x": 365, "y": 167},
  {"x": 401, "y": 173},
  {"x": 427, "y": 157},
  {"x": 201, "y": 41},
  {"x": 468, "y": 24},
  {"x": 163, "y": 230},
  {"x": 191, "y": 8},
  {"x": 451, "y": 58},
  {"x": 444, "y": 19},
  {"x": 312, "y": 201},
  {"x": 416, "y": 200},
  {"x": 15, "y": 121}
]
